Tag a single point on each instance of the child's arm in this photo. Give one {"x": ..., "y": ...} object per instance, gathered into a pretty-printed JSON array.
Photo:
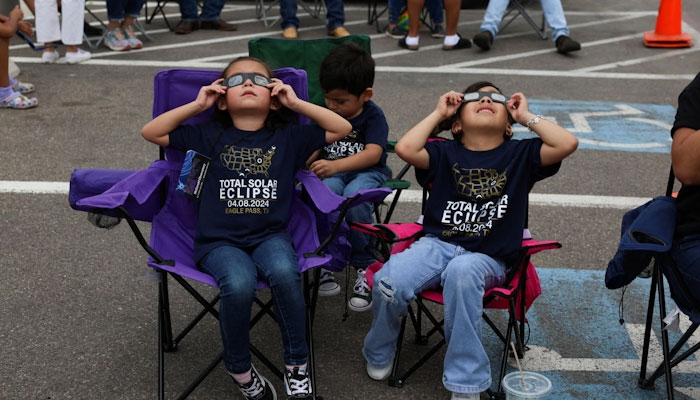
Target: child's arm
[
  {"x": 411, "y": 146},
  {"x": 557, "y": 142},
  {"x": 362, "y": 160},
  {"x": 8, "y": 27},
  {"x": 158, "y": 130},
  {"x": 336, "y": 126}
]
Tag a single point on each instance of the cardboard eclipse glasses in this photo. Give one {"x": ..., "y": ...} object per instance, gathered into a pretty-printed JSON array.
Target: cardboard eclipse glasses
[
  {"x": 476, "y": 96},
  {"x": 239, "y": 79}
]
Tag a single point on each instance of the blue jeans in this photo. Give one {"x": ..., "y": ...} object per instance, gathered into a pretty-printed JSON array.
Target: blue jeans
[
  {"x": 553, "y": 14},
  {"x": 211, "y": 11},
  {"x": 117, "y": 9},
  {"x": 346, "y": 184},
  {"x": 335, "y": 14},
  {"x": 434, "y": 8},
  {"x": 464, "y": 277},
  {"x": 237, "y": 272},
  {"x": 686, "y": 254}
]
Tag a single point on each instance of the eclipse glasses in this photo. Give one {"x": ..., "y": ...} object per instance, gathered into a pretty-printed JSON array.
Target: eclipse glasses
[
  {"x": 239, "y": 79},
  {"x": 476, "y": 96}
]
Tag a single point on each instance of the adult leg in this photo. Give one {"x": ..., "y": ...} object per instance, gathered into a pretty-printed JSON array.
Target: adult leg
[
  {"x": 452, "y": 39},
  {"x": 395, "y": 285},
  {"x": 493, "y": 16},
  {"x": 236, "y": 275},
  {"x": 464, "y": 281},
  {"x": 48, "y": 29},
  {"x": 393, "y": 11},
  {"x": 277, "y": 263},
  {"x": 115, "y": 39},
  {"x": 288, "y": 10},
  {"x": 335, "y": 16},
  {"x": 132, "y": 11},
  {"x": 211, "y": 16},
  {"x": 554, "y": 15}
]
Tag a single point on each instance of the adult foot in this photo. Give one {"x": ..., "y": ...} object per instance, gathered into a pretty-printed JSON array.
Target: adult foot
[
  {"x": 79, "y": 55},
  {"x": 339, "y": 32},
  {"x": 565, "y": 44},
  {"x": 130, "y": 36},
  {"x": 483, "y": 40},
  {"x": 185, "y": 27},
  {"x": 438, "y": 31},
  {"x": 403, "y": 42},
  {"x": 115, "y": 40},
  {"x": 49, "y": 57},
  {"x": 461, "y": 43},
  {"x": 290, "y": 32},
  {"x": 219, "y": 25}
]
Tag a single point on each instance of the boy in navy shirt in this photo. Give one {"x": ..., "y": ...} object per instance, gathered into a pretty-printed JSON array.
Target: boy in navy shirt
[
  {"x": 473, "y": 224},
  {"x": 357, "y": 161}
]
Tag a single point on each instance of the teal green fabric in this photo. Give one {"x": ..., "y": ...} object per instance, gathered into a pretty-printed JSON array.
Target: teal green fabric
[{"x": 302, "y": 54}]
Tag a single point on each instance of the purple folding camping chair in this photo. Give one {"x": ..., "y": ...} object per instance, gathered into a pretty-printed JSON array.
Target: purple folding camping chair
[{"x": 316, "y": 222}]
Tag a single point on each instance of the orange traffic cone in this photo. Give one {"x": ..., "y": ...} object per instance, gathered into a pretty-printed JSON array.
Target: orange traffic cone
[{"x": 668, "y": 27}]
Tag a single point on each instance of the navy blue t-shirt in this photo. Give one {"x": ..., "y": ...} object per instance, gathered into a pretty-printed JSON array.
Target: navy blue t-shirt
[
  {"x": 248, "y": 189},
  {"x": 478, "y": 199},
  {"x": 368, "y": 127}
]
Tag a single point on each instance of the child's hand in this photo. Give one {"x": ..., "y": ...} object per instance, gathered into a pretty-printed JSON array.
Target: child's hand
[
  {"x": 208, "y": 94},
  {"x": 448, "y": 104},
  {"x": 519, "y": 108},
  {"x": 25, "y": 27},
  {"x": 16, "y": 13},
  {"x": 284, "y": 93},
  {"x": 323, "y": 168}
]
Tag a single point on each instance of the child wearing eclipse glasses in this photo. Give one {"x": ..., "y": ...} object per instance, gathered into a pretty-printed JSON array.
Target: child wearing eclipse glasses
[
  {"x": 473, "y": 224},
  {"x": 254, "y": 156}
]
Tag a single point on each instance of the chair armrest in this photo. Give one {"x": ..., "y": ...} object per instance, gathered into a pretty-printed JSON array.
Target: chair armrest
[{"x": 103, "y": 191}]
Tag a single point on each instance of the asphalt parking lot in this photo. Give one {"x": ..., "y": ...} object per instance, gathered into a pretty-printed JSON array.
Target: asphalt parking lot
[{"x": 78, "y": 315}]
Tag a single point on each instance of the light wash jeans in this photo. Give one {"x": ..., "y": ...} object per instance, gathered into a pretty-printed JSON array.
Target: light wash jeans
[
  {"x": 553, "y": 14},
  {"x": 464, "y": 276},
  {"x": 346, "y": 184},
  {"x": 211, "y": 11},
  {"x": 335, "y": 14},
  {"x": 237, "y": 272}
]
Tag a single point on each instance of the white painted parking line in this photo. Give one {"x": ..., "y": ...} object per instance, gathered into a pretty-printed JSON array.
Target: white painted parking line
[{"x": 407, "y": 196}]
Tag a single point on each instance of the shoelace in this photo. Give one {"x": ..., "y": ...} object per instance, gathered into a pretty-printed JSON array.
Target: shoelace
[
  {"x": 361, "y": 286},
  {"x": 255, "y": 389},
  {"x": 298, "y": 386}
]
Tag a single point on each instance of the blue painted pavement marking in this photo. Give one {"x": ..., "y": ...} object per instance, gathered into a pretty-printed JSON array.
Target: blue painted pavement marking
[
  {"x": 577, "y": 342},
  {"x": 610, "y": 125}
]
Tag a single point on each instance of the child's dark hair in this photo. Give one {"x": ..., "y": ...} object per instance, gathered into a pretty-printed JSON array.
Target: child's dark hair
[
  {"x": 474, "y": 87},
  {"x": 347, "y": 67},
  {"x": 275, "y": 118}
]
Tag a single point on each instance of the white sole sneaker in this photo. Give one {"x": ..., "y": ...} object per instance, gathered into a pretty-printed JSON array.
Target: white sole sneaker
[
  {"x": 77, "y": 56},
  {"x": 327, "y": 289},
  {"x": 379, "y": 374},
  {"x": 361, "y": 305},
  {"x": 49, "y": 57}
]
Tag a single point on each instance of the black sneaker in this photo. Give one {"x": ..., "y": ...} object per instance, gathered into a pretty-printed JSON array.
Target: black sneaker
[
  {"x": 361, "y": 299},
  {"x": 565, "y": 44},
  {"x": 483, "y": 40},
  {"x": 297, "y": 384},
  {"x": 438, "y": 31},
  {"x": 395, "y": 32},
  {"x": 259, "y": 388}
]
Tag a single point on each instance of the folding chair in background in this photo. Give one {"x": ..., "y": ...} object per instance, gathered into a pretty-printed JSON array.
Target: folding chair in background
[
  {"x": 516, "y": 8},
  {"x": 308, "y": 55},
  {"x": 521, "y": 287},
  {"x": 149, "y": 195},
  {"x": 657, "y": 242}
]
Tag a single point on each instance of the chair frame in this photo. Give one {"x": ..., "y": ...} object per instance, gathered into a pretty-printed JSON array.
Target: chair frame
[
  {"x": 373, "y": 16},
  {"x": 168, "y": 342},
  {"x": 657, "y": 287},
  {"x": 516, "y": 326},
  {"x": 518, "y": 7}
]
